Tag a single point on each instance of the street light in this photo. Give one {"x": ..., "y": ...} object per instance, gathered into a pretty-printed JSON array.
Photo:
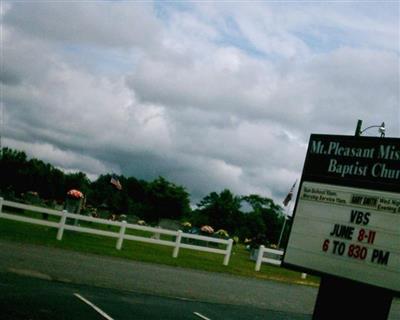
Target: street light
[{"x": 381, "y": 129}]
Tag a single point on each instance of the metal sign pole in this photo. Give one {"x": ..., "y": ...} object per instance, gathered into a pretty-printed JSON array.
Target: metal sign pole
[{"x": 339, "y": 298}]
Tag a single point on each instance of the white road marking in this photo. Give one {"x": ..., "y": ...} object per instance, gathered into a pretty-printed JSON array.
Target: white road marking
[
  {"x": 201, "y": 316},
  {"x": 101, "y": 312}
]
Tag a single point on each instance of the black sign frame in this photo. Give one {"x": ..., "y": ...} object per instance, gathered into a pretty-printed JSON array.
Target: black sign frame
[{"x": 350, "y": 161}]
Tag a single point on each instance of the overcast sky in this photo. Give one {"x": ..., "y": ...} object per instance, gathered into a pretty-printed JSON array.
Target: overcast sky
[{"x": 210, "y": 95}]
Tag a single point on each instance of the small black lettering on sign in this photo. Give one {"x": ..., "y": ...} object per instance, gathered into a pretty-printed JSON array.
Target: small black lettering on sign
[
  {"x": 380, "y": 257},
  {"x": 364, "y": 201},
  {"x": 338, "y": 248},
  {"x": 359, "y": 217},
  {"x": 342, "y": 231}
]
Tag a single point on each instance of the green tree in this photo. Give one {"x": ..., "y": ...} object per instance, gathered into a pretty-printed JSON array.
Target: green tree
[
  {"x": 102, "y": 192},
  {"x": 166, "y": 200},
  {"x": 273, "y": 219},
  {"x": 12, "y": 164},
  {"x": 221, "y": 211},
  {"x": 269, "y": 216},
  {"x": 77, "y": 180}
]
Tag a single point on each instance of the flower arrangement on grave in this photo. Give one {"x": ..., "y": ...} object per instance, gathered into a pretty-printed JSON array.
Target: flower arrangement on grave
[
  {"x": 221, "y": 233},
  {"x": 76, "y": 194},
  {"x": 207, "y": 229},
  {"x": 186, "y": 226}
]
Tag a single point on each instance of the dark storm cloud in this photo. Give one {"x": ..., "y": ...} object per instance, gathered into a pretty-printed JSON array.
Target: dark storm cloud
[{"x": 211, "y": 97}]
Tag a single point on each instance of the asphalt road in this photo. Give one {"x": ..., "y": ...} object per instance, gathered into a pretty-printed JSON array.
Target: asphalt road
[
  {"x": 36, "y": 299},
  {"x": 108, "y": 272},
  {"x": 125, "y": 287}
]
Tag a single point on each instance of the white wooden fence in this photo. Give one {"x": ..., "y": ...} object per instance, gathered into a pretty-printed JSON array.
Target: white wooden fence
[
  {"x": 272, "y": 252},
  {"x": 122, "y": 235}
]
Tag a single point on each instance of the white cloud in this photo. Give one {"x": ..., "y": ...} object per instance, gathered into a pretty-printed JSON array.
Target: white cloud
[
  {"x": 211, "y": 96},
  {"x": 87, "y": 22}
]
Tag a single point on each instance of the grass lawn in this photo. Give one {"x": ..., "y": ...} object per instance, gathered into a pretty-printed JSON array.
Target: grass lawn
[{"x": 239, "y": 264}]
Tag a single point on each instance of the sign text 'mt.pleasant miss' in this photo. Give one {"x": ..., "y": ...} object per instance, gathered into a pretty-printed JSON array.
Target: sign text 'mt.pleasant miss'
[{"x": 376, "y": 164}]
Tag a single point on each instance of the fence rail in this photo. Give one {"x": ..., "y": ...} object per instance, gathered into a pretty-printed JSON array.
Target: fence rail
[
  {"x": 272, "y": 259},
  {"x": 121, "y": 235}
]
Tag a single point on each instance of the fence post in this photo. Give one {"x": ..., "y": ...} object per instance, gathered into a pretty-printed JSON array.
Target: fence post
[
  {"x": 1, "y": 204},
  {"x": 259, "y": 257},
  {"x": 228, "y": 252},
  {"x": 62, "y": 224},
  {"x": 121, "y": 235},
  {"x": 177, "y": 243}
]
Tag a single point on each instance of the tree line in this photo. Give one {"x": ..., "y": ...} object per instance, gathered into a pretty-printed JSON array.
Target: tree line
[{"x": 148, "y": 200}]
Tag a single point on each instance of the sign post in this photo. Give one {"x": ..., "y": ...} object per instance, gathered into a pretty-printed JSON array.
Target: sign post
[
  {"x": 345, "y": 299},
  {"x": 346, "y": 225}
]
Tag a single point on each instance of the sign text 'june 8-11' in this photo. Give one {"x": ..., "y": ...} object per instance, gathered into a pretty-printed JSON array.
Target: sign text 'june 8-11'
[{"x": 347, "y": 215}]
